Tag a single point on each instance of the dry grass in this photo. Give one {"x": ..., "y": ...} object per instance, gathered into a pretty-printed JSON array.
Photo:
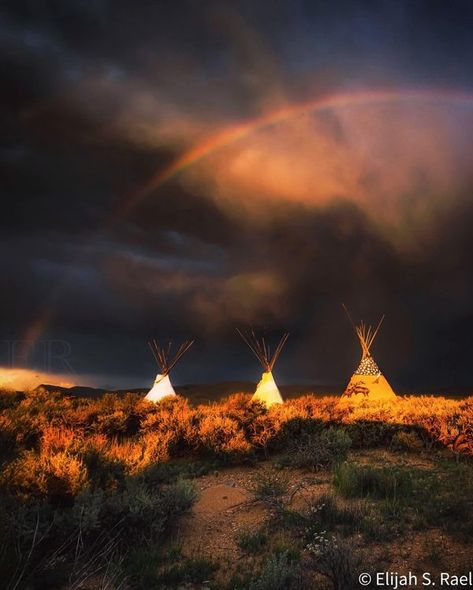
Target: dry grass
[
  {"x": 52, "y": 438},
  {"x": 110, "y": 465}
]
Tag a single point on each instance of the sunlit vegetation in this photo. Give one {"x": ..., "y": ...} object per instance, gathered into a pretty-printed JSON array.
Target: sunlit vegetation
[{"x": 90, "y": 488}]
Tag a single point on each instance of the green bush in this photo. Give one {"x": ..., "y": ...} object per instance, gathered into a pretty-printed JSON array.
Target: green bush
[
  {"x": 353, "y": 480},
  {"x": 196, "y": 570},
  {"x": 150, "y": 567},
  {"x": 270, "y": 488},
  {"x": 278, "y": 573},
  {"x": 251, "y": 541},
  {"x": 407, "y": 441},
  {"x": 327, "y": 514},
  {"x": 334, "y": 559},
  {"x": 135, "y": 512},
  {"x": 319, "y": 450},
  {"x": 298, "y": 428},
  {"x": 370, "y": 433},
  {"x": 161, "y": 473}
]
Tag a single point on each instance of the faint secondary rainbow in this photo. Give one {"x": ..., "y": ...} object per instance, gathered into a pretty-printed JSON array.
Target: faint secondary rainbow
[{"x": 234, "y": 133}]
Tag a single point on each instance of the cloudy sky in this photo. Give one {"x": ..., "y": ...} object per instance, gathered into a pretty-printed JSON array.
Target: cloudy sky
[{"x": 179, "y": 169}]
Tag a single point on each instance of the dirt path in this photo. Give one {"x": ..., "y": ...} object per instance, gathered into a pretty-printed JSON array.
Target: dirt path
[{"x": 226, "y": 507}]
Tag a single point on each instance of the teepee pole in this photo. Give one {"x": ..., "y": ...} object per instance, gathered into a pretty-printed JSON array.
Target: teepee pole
[
  {"x": 261, "y": 349},
  {"x": 377, "y": 329},
  {"x": 182, "y": 350},
  {"x": 162, "y": 354},
  {"x": 253, "y": 346},
  {"x": 279, "y": 348}
]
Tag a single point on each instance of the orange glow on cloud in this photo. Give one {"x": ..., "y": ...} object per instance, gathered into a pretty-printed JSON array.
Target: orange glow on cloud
[
  {"x": 333, "y": 175},
  {"x": 392, "y": 160},
  {"x": 391, "y": 152}
]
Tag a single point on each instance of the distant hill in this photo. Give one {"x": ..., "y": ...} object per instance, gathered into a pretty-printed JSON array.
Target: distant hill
[
  {"x": 209, "y": 392},
  {"x": 82, "y": 391},
  {"x": 197, "y": 393}
]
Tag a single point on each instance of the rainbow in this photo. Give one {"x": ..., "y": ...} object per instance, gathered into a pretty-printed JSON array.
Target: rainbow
[
  {"x": 234, "y": 133},
  {"x": 238, "y": 131}
]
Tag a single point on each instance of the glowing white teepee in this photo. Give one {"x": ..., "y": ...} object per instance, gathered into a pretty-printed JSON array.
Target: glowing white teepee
[
  {"x": 267, "y": 391},
  {"x": 367, "y": 382},
  {"x": 162, "y": 384}
]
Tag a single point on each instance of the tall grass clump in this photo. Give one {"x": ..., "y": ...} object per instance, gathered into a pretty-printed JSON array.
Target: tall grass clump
[
  {"x": 270, "y": 488},
  {"x": 334, "y": 558},
  {"x": 319, "y": 450},
  {"x": 278, "y": 573},
  {"x": 352, "y": 480}
]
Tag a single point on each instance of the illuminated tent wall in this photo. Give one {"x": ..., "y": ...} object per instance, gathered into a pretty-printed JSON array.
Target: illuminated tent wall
[
  {"x": 166, "y": 361},
  {"x": 367, "y": 382},
  {"x": 267, "y": 391}
]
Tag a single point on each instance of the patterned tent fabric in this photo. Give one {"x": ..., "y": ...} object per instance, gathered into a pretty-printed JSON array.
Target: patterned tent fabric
[{"x": 368, "y": 367}]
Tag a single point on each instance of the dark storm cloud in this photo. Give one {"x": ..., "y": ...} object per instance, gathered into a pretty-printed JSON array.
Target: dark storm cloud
[{"x": 98, "y": 96}]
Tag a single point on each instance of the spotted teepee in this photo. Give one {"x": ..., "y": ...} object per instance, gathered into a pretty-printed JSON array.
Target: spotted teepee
[{"x": 367, "y": 382}]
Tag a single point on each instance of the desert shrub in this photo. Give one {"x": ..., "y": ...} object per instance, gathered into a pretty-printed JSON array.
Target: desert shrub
[
  {"x": 56, "y": 543},
  {"x": 251, "y": 541},
  {"x": 262, "y": 432},
  {"x": 7, "y": 439},
  {"x": 278, "y": 573},
  {"x": 369, "y": 433},
  {"x": 333, "y": 558},
  {"x": 221, "y": 435},
  {"x": 142, "y": 564},
  {"x": 24, "y": 430},
  {"x": 353, "y": 480},
  {"x": 117, "y": 416},
  {"x": 138, "y": 453},
  {"x": 112, "y": 424},
  {"x": 326, "y": 409},
  {"x": 136, "y": 511},
  {"x": 146, "y": 513},
  {"x": 159, "y": 473},
  {"x": 176, "y": 418},
  {"x": 58, "y": 476},
  {"x": 195, "y": 571},
  {"x": 326, "y": 513},
  {"x": 38, "y": 558},
  {"x": 242, "y": 408},
  {"x": 10, "y": 398},
  {"x": 299, "y": 428},
  {"x": 319, "y": 450},
  {"x": 444, "y": 497},
  {"x": 155, "y": 447},
  {"x": 55, "y": 439},
  {"x": 407, "y": 441},
  {"x": 148, "y": 566},
  {"x": 105, "y": 472},
  {"x": 109, "y": 459},
  {"x": 270, "y": 487},
  {"x": 83, "y": 416}
]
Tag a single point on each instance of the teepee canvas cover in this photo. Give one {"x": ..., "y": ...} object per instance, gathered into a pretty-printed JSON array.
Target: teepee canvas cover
[
  {"x": 267, "y": 391},
  {"x": 367, "y": 381},
  {"x": 166, "y": 361}
]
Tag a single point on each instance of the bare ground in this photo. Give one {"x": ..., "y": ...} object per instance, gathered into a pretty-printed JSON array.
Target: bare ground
[{"x": 226, "y": 506}]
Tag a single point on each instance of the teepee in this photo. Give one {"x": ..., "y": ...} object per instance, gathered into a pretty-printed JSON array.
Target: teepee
[
  {"x": 166, "y": 361},
  {"x": 267, "y": 391},
  {"x": 367, "y": 382}
]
